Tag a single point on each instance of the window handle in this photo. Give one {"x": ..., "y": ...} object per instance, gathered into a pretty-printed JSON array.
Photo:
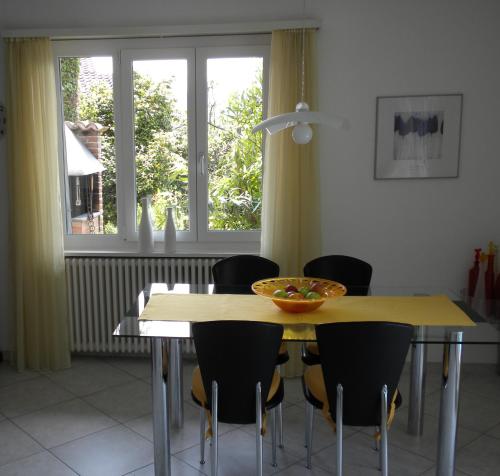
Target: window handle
[{"x": 202, "y": 163}]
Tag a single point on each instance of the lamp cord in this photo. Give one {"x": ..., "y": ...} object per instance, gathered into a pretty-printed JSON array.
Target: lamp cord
[{"x": 303, "y": 64}]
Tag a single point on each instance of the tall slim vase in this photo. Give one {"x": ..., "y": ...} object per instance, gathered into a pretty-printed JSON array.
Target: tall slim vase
[
  {"x": 146, "y": 241},
  {"x": 170, "y": 242}
]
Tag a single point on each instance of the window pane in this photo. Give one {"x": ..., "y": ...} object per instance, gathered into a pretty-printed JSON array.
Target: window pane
[
  {"x": 160, "y": 136},
  {"x": 234, "y": 152},
  {"x": 89, "y": 136}
]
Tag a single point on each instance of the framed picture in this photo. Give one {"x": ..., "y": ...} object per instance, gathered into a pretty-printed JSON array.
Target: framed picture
[{"x": 418, "y": 136}]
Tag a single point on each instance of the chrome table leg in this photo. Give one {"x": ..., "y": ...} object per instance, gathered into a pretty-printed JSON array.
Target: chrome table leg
[
  {"x": 161, "y": 432},
  {"x": 417, "y": 383},
  {"x": 339, "y": 426},
  {"x": 448, "y": 413},
  {"x": 383, "y": 434},
  {"x": 175, "y": 382}
]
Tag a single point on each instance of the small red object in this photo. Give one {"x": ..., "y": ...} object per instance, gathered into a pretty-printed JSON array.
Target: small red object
[
  {"x": 489, "y": 275},
  {"x": 474, "y": 273}
]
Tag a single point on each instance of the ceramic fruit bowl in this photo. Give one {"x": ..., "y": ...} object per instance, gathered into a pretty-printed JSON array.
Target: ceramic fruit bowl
[{"x": 298, "y": 294}]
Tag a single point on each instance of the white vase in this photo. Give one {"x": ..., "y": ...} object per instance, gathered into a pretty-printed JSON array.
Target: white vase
[
  {"x": 170, "y": 238},
  {"x": 146, "y": 242}
]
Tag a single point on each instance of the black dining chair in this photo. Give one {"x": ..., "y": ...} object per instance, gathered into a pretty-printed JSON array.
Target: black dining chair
[
  {"x": 357, "y": 381},
  {"x": 236, "y": 381},
  {"x": 235, "y": 275},
  {"x": 354, "y": 273}
]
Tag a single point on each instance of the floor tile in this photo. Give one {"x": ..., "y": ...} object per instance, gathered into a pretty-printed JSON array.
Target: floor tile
[
  {"x": 494, "y": 432},
  {"x": 180, "y": 439},
  {"x": 476, "y": 412},
  {"x": 179, "y": 468},
  {"x": 30, "y": 395},
  {"x": 425, "y": 445},
  {"x": 139, "y": 367},
  {"x": 58, "y": 424},
  {"x": 480, "y": 458},
  {"x": 361, "y": 459},
  {"x": 45, "y": 410},
  {"x": 9, "y": 375},
  {"x": 300, "y": 469},
  {"x": 112, "y": 452},
  {"x": 294, "y": 431},
  {"x": 432, "y": 472},
  {"x": 90, "y": 377},
  {"x": 237, "y": 456},
  {"x": 479, "y": 370},
  {"x": 481, "y": 384},
  {"x": 432, "y": 381},
  {"x": 15, "y": 444},
  {"x": 40, "y": 464},
  {"x": 123, "y": 402}
]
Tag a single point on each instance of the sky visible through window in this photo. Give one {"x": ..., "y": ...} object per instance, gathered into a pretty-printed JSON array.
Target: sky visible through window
[{"x": 230, "y": 74}]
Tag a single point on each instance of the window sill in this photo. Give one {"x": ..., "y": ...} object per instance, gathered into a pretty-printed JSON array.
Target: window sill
[{"x": 184, "y": 250}]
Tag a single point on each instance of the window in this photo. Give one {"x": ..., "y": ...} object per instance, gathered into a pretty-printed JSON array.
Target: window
[{"x": 168, "y": 118}]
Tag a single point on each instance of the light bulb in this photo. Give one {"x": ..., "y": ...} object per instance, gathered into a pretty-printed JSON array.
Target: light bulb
[{"x": 302, "y": 133}]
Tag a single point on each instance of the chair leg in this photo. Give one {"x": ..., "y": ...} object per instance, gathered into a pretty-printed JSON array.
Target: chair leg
[
  {"x": 309, "y": 432},
  {"x": 339, "y": 426},
  {"x": 309, "y": 408},
  {"x": 303, "y": 350},
  {"x": 383, "y": 433},
  {"x": 280, "y": 417},
  {"x": 215, "y": 429},
  {"x": 202, "y": 435},
  {"x": 258, "y": 427},
  {"x": 273, "y": 416},
  {"x": 279, "y": 411}
]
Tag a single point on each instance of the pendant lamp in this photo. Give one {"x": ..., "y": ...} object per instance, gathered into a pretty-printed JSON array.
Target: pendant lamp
[{"x": 302, "y": 117}]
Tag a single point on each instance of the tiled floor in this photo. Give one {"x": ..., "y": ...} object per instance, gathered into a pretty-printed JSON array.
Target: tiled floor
[{"x": 95, "y": 419}]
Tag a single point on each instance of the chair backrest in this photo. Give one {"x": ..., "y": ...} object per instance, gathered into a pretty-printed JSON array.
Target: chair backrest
[
  {"x": 236, "y": 274},
  {"x": 237, "y": 355},
  {"x": 353, "y": 273},
  {"x": 363, "y": 357}
]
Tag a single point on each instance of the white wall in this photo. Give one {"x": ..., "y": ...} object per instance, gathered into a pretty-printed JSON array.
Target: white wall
[{"x": 413, "y": 231}]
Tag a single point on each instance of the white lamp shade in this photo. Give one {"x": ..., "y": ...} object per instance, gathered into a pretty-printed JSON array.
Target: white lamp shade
[{"x": 291, "y": 119}]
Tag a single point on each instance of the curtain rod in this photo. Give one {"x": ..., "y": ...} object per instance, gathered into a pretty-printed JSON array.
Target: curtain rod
[{"x": 161, "y": 31}]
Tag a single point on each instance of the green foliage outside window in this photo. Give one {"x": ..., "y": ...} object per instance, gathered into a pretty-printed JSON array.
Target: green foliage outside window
[{"x": 235, "y": 164}]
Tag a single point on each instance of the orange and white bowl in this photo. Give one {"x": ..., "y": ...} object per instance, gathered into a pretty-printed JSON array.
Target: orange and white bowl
[{"x": 327, "y": 290}]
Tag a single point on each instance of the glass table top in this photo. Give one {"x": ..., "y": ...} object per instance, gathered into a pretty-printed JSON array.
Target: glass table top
[{"x": 486, "y": 332}]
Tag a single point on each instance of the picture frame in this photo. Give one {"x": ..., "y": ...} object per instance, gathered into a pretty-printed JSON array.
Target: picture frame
[{"x": 418, "y": 136}]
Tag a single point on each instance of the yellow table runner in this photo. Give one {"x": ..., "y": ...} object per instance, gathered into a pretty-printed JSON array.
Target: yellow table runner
[{"x": 418, "y": 311}]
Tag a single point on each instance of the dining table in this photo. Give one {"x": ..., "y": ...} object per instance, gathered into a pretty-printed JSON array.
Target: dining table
[{"x": 165, "y": 312}]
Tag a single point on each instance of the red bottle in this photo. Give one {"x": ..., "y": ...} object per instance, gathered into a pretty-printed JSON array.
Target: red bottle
[
  {"x": 497, "y": 296},
  {"x": 474, "y": 273},
  {"x": 489, "y": 279}
]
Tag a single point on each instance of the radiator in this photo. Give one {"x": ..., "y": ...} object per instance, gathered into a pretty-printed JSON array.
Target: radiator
[{"x": 101, "y": 290}]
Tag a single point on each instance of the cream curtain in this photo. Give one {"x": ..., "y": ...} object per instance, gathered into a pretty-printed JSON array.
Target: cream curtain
[
  {"x": 36, "y": 233},
  {"x": 291, "y": 230}
]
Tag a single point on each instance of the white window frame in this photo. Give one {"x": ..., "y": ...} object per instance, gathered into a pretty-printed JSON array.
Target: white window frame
[{"x": 198, "y": 239}]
